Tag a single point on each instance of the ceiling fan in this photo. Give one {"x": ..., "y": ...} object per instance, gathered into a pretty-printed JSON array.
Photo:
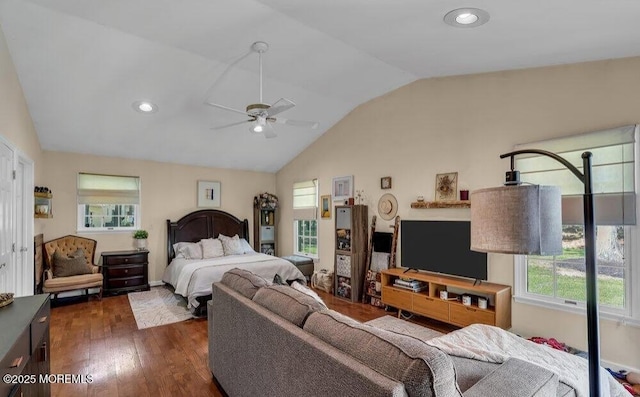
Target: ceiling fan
[{"x": 260, "y": 114}]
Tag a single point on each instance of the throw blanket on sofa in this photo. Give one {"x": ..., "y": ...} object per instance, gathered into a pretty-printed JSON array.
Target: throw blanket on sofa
[{"x": 495, "y": 345}]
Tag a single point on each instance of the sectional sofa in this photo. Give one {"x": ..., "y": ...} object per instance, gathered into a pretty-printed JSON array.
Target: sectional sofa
[{"x": 274, "y": 340}]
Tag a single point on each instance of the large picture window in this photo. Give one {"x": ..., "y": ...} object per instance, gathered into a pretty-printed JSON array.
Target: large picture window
[
  {"x": 559, "y": 281},
  {"x": 305, "y": 215},
  {"x": 108, "y": 202}
]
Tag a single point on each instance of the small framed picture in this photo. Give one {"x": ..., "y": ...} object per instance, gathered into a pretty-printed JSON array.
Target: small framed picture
[
  {"x": 208, "y": 194},
  {"x": 385, "y": 182},
  {"x": 342, "y": 188},
  {"x": 325, "y": 206},
  {"x": 446, "y": 186}
]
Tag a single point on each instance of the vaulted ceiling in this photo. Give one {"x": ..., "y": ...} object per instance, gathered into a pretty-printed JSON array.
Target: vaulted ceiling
[{"x": 83, "y": 63}]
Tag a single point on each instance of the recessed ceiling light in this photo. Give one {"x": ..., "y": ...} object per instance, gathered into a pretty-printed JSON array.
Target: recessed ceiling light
[
  {"x": 145, "y": 107},
  {"x": 466, "y": 17}
]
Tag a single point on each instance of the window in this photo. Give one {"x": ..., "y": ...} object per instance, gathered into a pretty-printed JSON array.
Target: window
[
  {"x": 108, "y": 202},
  {"x": 305, "y": 214},
  {"x": 559, "y": 281}
]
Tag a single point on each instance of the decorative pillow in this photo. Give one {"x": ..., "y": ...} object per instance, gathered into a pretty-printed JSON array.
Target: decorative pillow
[
  {"x": 72, "y": 265},
  {"x": 231, "y": 245},
  {"x": 292, "y": 305},
  {"x": 246, "y": 247},
  {"x": 188, "y": 250},
  {"x": 244, "y": 282},
  {"x": 211, "y": 248},
  {"x": 308, "y": 291},
  {"x": 424, "y": 370}
]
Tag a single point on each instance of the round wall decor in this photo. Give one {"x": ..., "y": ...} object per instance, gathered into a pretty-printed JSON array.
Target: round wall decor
[{"x": 387, "y": 206}]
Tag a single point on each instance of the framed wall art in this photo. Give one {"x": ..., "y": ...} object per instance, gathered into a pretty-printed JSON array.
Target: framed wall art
[
  {"x": 325, "y": 206},
  {"x": 208, "y": 194},
  {"x": 385, "y": 182},
  {"x": 342, "y": 188},
  {"x": 446, "y": 186}
]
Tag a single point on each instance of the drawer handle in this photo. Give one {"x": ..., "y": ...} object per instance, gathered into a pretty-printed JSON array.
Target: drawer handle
[
  {"x": 126, "y": 259},
  {"x": 470, "y": 309},
  {"x": 44, "y": 350},
  {"x": 429, "y": 299},
  {"x": 126, "y": 270},
  {"x": 42, "y": 319},
  {"x": 16, "y": 362},
  {"x": 126, "y": 282}
]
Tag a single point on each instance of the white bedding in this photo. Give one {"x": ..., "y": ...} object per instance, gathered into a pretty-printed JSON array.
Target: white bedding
[
  {"x": 192, "y": 278},
  {"x": 495, "y": 345}
]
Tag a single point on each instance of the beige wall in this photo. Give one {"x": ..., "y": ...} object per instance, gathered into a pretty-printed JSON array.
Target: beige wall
[
  {"x": 168, "y": 191},
  {"x": 462, "y": 124},
  {"x": 16, "y": 126}
]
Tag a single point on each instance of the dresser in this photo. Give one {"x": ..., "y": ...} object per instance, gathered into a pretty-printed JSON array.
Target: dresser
[
  {"x": 125, "y": 271},
  {"x": 24, "y": 345}
]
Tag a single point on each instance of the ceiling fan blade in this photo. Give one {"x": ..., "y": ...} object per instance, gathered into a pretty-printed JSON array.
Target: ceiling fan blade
[
  {"x": 280, "y": 106},
  {"x": 268, "y": 131},
  {"x": 297, "y": 123},
  {"x": 231, "y": 125},
  {"x": 215, "y": 105}
]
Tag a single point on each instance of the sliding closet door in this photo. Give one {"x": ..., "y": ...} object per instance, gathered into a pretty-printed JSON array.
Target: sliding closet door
[{"x": 7, "y": 283}]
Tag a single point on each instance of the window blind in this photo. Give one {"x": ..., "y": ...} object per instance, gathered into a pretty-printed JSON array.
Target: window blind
[
  {"x": 613, "y": 173},
  {"x": 305, "y": 200},
  {"x": 108, "y": 189}
]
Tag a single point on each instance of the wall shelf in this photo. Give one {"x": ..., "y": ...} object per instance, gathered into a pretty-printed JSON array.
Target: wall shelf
[{"x": 442, "y": 204}]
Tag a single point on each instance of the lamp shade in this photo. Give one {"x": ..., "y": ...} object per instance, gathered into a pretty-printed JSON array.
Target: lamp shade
[{"x": 523, "y": 219}]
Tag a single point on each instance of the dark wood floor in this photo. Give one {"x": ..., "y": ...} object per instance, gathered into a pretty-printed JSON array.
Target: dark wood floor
[{"x": 101, "y": 339}]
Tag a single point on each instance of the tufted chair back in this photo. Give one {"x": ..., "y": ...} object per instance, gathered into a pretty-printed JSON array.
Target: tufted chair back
[{"x": 68, "y": 245}]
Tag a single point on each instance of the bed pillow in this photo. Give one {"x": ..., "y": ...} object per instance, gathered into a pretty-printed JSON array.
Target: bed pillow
[
  {"x": 231, "y": 245},
  {"x": 72, "y": 265},
  {"x": 211, "y": 248},
  {"x": 246, "y": 247},
  {"x": 188, "y": 250}
]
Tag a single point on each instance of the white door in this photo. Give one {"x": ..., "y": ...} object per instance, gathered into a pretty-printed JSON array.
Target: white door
[
  {"x": 7, "y": 283},
  {"x": 24, "y": 226}
]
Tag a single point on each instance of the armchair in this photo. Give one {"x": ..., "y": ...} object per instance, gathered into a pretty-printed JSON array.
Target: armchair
[{"x": 67, "y": 245}]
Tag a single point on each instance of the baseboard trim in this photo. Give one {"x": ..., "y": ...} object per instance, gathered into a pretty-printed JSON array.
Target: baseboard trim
[{"x": 156, "y": 283}]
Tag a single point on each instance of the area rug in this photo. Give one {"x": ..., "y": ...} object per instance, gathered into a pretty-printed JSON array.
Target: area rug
[
  {"x": 399, "y": 326},
  {"x": 158, "y": 306}
]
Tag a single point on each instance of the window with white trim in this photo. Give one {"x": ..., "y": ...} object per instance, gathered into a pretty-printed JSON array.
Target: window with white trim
[
  {"x": 559, "y": 281},
  {"x": 305, "y": 218},
  {"x": 108, "y": 202}
]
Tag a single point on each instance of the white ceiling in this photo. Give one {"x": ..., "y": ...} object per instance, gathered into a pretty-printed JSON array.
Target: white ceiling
[{"x": 82, "y": 63}]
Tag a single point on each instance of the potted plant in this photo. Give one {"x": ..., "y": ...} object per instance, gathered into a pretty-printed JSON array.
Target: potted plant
[{"x": 141, "y": 239}]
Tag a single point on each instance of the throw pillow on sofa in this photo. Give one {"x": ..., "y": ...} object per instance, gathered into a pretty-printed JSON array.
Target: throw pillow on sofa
[
  {"x": 73, "y": 265},
  {"x": 288, "y": 303},
  {"x": 244, "y": 282},
  {"x": 424, "y": 370}
]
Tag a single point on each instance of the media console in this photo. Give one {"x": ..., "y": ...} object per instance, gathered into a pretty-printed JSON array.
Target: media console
[{"x": 428, "y": 303}]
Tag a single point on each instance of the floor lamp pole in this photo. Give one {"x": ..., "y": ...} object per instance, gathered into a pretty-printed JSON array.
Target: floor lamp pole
[{"x": 593, "y": 322}]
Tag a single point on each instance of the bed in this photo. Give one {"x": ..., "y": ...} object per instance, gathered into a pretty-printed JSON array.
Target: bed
[{"x": 192, "y": 278}]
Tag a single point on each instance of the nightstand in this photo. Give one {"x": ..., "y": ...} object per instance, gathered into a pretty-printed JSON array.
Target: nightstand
[{"x": 125, "y": 271}]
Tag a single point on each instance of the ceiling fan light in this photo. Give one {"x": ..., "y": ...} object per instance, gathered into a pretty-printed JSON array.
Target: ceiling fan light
[{"x": 257, "y": 128}]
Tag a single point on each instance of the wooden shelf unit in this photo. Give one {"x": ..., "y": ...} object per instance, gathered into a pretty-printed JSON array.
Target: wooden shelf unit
[
  {"x": 350, "y": 250},
  {"x": 42, "y": 205},
  {"x": 428, "y": 303},
  {"x": 442, "y": 204}
]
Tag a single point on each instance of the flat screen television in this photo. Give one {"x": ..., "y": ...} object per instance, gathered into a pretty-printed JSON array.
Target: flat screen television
[{"x": 442, "y": 247}]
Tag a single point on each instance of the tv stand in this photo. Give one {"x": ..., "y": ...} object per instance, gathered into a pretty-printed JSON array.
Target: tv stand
[
  {"x": 428, "y": 303},
  {"x": 411, "y": 269}
]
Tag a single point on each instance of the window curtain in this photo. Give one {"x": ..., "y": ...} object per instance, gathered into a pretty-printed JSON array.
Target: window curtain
[
  {"x": 613, "y": 173},
  {"x": 108, "y": 189},
  {"x": 305, "y": 200}
]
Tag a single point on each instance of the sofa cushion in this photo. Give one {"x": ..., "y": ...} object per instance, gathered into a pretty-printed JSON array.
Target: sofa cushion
[
  {"x": 73, "y": 265},
  {"x": 288, "y": 303},
  {"x": 423, "y": 369},
  {"x": 516, "y": 378},
  {"x": 61, "y": 284},
  {"x": 244, "y": 282}
]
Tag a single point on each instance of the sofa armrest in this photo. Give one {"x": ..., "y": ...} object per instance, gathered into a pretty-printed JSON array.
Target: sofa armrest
[
  {"x": 48, "y": 274},
  {"x": 94, "y": 269},
  {"x": 516, "y": 378}
]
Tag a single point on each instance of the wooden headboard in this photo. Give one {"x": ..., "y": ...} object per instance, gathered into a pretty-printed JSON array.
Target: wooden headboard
[{"x": 201, "y": 224}]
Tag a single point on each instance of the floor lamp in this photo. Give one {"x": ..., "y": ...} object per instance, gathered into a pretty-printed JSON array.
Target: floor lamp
[{"x": 527, "y": 219}]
